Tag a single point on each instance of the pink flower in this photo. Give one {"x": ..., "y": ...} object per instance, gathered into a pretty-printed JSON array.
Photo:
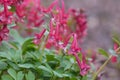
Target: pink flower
[
  {"x": 4, "y": 33},
  {"x": 114, "y": 59},
  {"x": 54, "y": 36},
  {"x": 81, "y": 22},
  {"x": 49, "y": 9},
  {"x": 115, "y": 46},
  {"x": 84, "y": 68},
  {"x": 66, "y": 41},
  {"x": 74, "y": 46},
  {"x": 38, "y": 37}
]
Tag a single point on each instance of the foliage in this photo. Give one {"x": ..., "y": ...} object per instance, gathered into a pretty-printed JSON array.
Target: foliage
[
  {"x": 54, "y": 52},
  {"x": 20, "y": 59}
]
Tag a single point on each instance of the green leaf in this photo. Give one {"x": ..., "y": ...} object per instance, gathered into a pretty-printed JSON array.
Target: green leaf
[
  {"x": 13, "y": 65},
  {"x": 3, "y": 65},
  {"x": 50, "y": 57},
  {"x": 57, "y": 74},
  {"x": 18, "y": 56},
  {"x": 116, "y": 40},
  {"x": 45, "y": 69},
  {"x": 84, "y": 78},
  {"x": 28, "y": 46},
  {"x": 26, "y": 65},
  {"x": 16, "y": 36},
  {"x": 67, "y": 66},
  {"x": 12, "y": 73},
  {"x": 4, "y": 46},
  {"x": 5, "y": 55},
  {"x": 13, "y": 45},
  {"x": 20, "y": 75},
  {"x": 6, "y": 77},
  {"x": 30, "y": 76},
  {"x": 27, "y": 42},
  {"x": 73, "y": 78},
  {"x": 103, "y": 52}
]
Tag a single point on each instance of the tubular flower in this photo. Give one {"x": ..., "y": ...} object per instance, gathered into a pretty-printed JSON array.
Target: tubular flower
[
  {"x": 38, "y": 37},
  {"x": 74, "y": 49},
  {"x": 4, "y": 33},
  {"x": 80, "y": 21},
  {"x": 50, "y": 8},
  {"x": 74, "y": 46},
  {"x": 84, "y": 68},
  {"x": 54, "y": 37}
]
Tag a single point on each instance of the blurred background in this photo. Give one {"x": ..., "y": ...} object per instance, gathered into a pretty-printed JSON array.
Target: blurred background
[{"x": 103, "y": 21}]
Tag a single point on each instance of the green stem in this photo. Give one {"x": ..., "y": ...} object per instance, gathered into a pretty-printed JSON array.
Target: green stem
[
  {"x": 52, "y": 78},
  {"x": 101, "y": 68}
]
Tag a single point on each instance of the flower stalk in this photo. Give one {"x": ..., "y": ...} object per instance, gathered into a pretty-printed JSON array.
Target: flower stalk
[{"x": 101, "y": 68}]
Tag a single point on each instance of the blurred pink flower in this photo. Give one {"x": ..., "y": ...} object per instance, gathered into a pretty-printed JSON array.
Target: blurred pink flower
[
  {"x": 4, "y": 33},
  {"x": 38, "y": 37},
  {"x": 84, "y": 68},
  {"x": 74, "y": 49},
  {"x": 114, "y": 59}
]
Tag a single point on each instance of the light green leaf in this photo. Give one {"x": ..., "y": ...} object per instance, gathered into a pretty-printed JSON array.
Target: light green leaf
[
  {"x": 6, "y": 77},
  {"x": 3, "y": 65},
  {"x": 57, "y": 74},
  {"x": 16, "y": 36},
  {"x": 45, "y": 69},
  {"x": 116, "y": 40},
  {"x": 26, "y": 65},
  {"x": 13, "y": 65},
  {"x": 12, "y": 73},
  {"x": 103, "y": 52},
  {"x": 20, "y": 75},
  {"x": 5, "y": 55},
  {"x": 84, "y": 78},
  {"x": 68, "y": 66},
  {"x": 30, "y": 76},
  {"x": 13, "y": 45}
]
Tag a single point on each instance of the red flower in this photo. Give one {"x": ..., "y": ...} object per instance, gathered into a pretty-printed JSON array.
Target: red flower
[
  {"x": 80, "y": 21},
  {"x": 4, "y": 33},
  {"x": 84, "y": 68},
  {"x": 38, "y": 37},
  {"x": 114, "y": 59},
  {"x": 49, "y": 9},
  {"x": 115, "y": 46},
  {"x": 74, "y": 46},
  {"x": 54, "y": 37}
]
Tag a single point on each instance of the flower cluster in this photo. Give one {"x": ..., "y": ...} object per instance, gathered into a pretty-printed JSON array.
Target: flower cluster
[
  {"x": 6, "y": 16},
  {"x": 63, "y": 25},
  {"x": 70, "y": 23}
]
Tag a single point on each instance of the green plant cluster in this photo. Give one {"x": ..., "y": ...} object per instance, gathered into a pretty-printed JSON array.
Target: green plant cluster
[{"x": 20, "y": 59}]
